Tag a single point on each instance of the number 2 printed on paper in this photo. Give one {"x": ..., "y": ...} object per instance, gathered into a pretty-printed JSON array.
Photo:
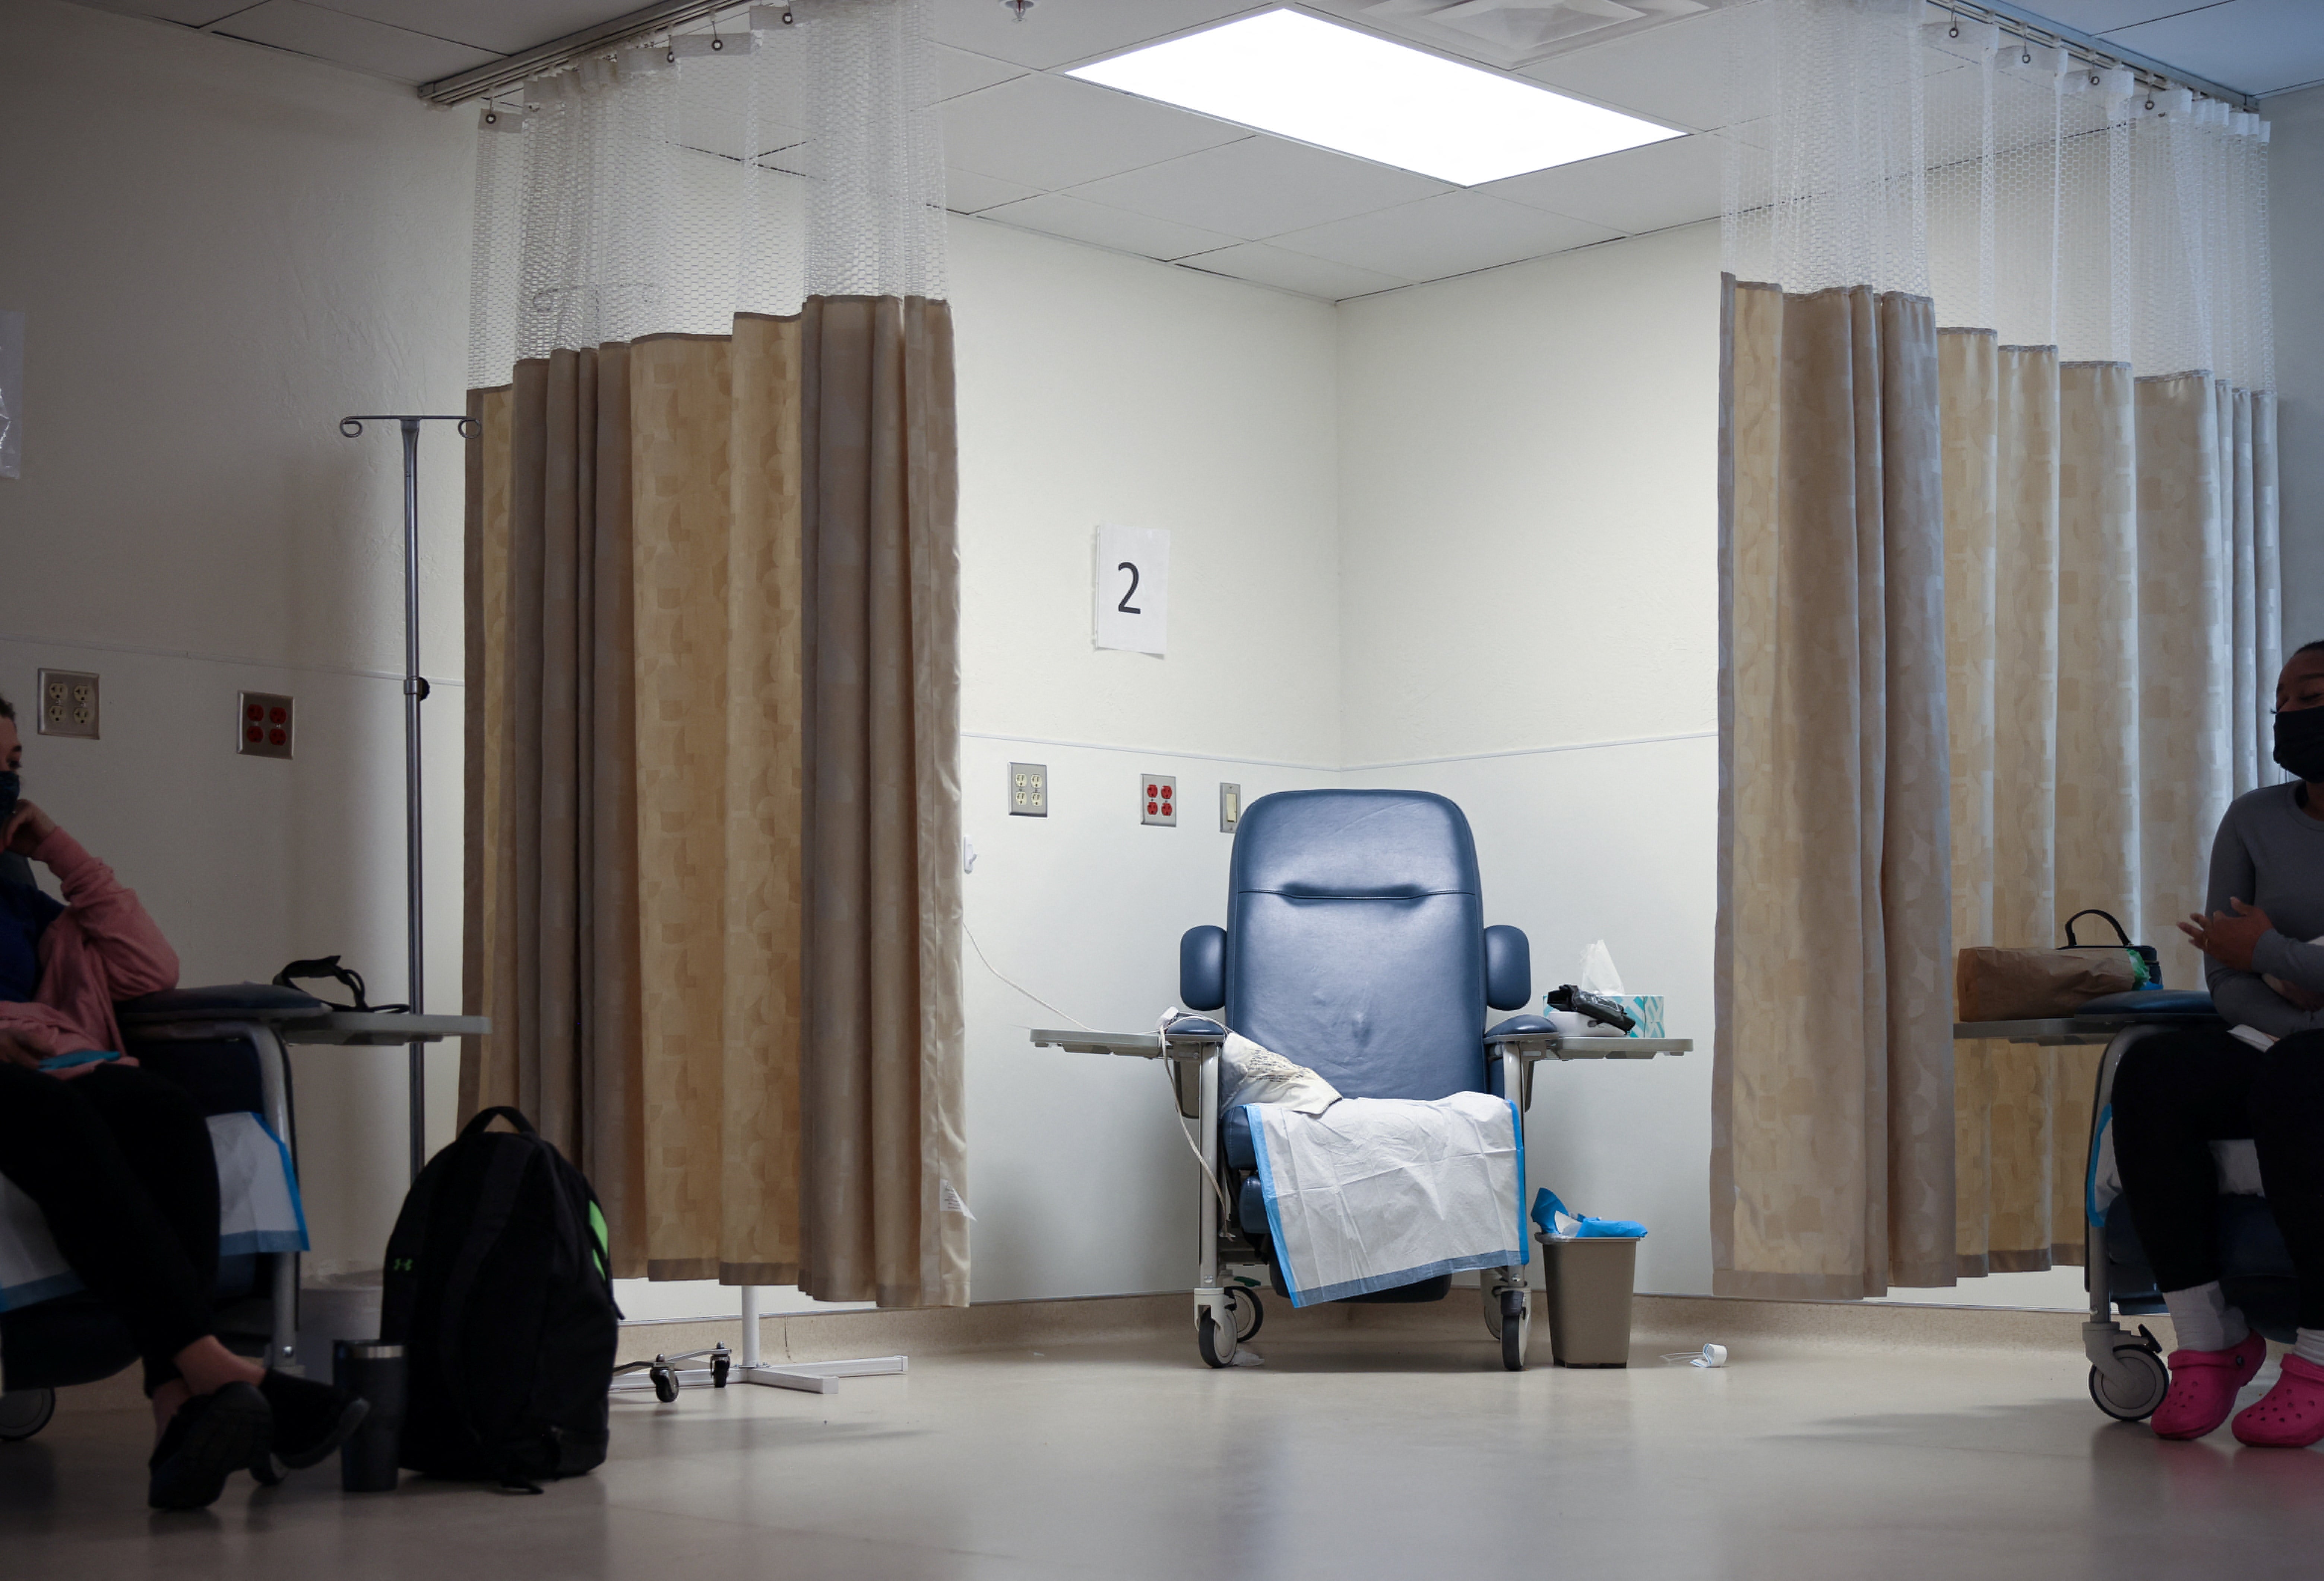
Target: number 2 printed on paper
[{"x": 1133, "y": 583}]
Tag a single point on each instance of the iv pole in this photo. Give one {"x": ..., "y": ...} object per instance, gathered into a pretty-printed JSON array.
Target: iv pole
[{"x": 415, "y": 692}]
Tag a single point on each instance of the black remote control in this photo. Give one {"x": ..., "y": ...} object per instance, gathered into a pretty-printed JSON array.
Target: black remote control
[{"x": 1598, "y": 1009}]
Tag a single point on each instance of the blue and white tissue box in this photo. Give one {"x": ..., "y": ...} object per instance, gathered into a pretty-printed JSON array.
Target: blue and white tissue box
[{"x": 1646, "y": 1010}]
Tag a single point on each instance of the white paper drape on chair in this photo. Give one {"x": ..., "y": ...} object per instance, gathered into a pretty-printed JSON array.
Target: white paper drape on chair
[
  {"x": 713, "y": 844},
  {"x": 2094, "y": 253}
]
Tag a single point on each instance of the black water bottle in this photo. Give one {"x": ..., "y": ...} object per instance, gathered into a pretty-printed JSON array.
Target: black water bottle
[{"x": 367, "y": 1461}]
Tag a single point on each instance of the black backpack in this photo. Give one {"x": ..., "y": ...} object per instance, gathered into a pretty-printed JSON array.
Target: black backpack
[{"x": 499, "y": 1289}]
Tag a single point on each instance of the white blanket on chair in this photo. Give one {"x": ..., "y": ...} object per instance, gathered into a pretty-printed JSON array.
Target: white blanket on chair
[
  {"x": 258, "y": 1211},
  {"x": 1374, "y": 1192}
]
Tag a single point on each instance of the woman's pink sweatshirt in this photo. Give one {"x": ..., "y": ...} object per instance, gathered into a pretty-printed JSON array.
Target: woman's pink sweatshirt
[{"x": 102, "y": 948}]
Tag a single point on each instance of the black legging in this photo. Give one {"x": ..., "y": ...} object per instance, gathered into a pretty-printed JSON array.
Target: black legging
[
  {"x": 2176, "y": 1093},
  {"x": 120, "y": 1163}
]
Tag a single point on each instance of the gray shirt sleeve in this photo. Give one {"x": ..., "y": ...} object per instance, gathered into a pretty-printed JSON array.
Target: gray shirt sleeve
[{"x": 2243, "y": 999}]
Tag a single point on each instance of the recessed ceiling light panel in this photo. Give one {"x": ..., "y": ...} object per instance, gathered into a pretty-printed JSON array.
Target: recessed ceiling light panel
[{"x": 1300, "y": 77}]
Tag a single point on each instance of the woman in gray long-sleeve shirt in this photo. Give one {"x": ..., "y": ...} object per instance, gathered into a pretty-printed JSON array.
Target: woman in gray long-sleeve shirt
[{"x": 2178, "y": 1092}]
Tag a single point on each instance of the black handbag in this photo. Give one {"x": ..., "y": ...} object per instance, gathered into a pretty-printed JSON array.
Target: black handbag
[{"x": 2149, "y": 964}]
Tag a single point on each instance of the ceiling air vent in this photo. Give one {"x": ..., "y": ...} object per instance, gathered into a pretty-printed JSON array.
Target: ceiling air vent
[{"x": 1516, "y": 32}]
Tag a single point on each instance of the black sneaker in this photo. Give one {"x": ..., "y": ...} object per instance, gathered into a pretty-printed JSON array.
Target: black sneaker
[
  {"x": 211, "y": 1437},
  {"x": 311, "y": 1418}
]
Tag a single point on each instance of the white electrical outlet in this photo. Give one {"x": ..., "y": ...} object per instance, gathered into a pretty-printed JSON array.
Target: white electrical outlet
[
  {"x": 1160, "y": 801},
  {"x": 1029, "y": 790},
  {"x": 68, "y": 704},
  {"x": 265, "y": 725}
]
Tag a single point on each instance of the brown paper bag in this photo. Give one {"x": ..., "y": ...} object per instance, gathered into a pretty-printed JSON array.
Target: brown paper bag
[{"x": 1994, "y": 984}]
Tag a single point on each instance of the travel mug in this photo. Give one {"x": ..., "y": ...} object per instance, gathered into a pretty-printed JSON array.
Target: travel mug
[{"x": 367, "y": 1461}]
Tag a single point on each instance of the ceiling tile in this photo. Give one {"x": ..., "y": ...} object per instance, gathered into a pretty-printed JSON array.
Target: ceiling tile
[
  {"x": 1675, "y": 73},
  {"x": 1292, "y": 272},
  {"x": 1077, "y": 220},
  {"x": 2257, "y": 45},
  {"x": 191, "y": 12},
  {"x": 1261, "y": 187},
  {"x": 958, "y": 71},
  {"x": 1059, "y": 32},
  {"x": 967, "y": 192},
  {"x": 504, "y": 26},
  {"x": 351, "y": 41},
  {"x": 1454, "y": 234},
  {"x": 1051, "y": 132},
  {"x": 1639, "y": 189}
]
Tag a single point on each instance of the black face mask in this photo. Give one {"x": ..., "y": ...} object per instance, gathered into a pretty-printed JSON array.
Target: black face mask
[
  {"x": 11, "y": 789},
  {"x": 2300, "y": 742}
]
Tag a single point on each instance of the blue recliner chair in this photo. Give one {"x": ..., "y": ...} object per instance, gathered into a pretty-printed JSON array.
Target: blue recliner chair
[
  {"x": 2128, "y": 1377},
  {"x": 1355, "y": 944},
  {"x": 204, "y": 1040}
]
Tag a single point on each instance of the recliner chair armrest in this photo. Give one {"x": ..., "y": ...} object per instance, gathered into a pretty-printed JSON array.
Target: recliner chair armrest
[{"x": 1202, "y": 968}]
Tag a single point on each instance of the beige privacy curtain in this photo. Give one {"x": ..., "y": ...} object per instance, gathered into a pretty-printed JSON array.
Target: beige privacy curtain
[
  {"x": 2105, "y": 568},
  {"x": 1833, "y": 1071},
  {"x": 713, "y": 813}
]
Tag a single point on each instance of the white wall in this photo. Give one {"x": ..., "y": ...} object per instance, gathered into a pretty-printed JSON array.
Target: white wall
[
  {"x": 220, "y": 250},
  {"x": 1096, "y": 388},
  {"x": 2296, "y": 219},
  {"x": 1528, "y": 533}
]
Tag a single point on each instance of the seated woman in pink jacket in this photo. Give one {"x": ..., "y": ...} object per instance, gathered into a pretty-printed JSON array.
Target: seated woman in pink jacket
[{"x": 119, "y": 1161}]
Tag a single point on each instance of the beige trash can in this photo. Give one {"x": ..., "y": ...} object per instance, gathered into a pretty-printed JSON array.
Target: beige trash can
[{"x": 1589, "y": 1299}]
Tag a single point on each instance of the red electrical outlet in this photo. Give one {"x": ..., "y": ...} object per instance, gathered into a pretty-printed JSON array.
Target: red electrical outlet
[
  {"x": 1159, "y": 802},
  {"x": 263, "y": 725}
]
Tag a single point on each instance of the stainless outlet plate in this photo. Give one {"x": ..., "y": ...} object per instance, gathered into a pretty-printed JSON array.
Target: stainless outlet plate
[
  {"x": 1029, "y": 790},
  {"x": 1159, "y": 803},
  {"x": 265, "y": 724},
  {"x": 68, "y": 704}
]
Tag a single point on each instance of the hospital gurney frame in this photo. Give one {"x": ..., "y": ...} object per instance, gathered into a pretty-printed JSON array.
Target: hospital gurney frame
[
  {"x": 1195, "y": 1078},
  {"x": 2127, "y": 1375}
]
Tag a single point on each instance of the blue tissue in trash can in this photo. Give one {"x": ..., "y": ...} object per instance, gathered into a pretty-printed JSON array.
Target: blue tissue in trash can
[{"x": 1561, "y": 1223}]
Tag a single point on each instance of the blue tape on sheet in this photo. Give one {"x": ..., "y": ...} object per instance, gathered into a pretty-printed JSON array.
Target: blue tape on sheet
[
  {"x": 2090, "y": 1173},
  {"x": 1267, "y": 1192},
  {"x": 33, "y": 1293},
  {"x": 1524, "y": 1241},
  {"x": 298, "y": 1203}
]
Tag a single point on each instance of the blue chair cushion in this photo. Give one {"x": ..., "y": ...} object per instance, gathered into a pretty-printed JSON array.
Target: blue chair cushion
[
  {"x": 1197, "y": 1026},
  {"x": 1240, "y": 1151},
  {"x": 1202, "y": 968},
  {"x": 1250, "y": 1206},
  {"x": 1508, "y": 969},
  {"x": 1528, "y": 1026},
  {"x": 1356, "y": 940},
  {"x": 2154, "y": 1005}
]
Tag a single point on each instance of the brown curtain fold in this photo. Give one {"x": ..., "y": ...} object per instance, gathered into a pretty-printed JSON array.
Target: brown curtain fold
[
  {"x": 640, "y": 727},
  {"x": 881, "y": 1087},
  {"x": 1832, "y": 1110},
  {"x": 551, "y": 944}
]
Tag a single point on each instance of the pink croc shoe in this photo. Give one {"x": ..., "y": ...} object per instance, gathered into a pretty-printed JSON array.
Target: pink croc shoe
[
  {"x": 2292, "y": 1414},
  {"x": 2203, "y": 1387}
]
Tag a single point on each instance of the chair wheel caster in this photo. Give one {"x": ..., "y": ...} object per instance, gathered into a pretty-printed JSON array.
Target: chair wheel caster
[
  {"x": 665, "y": 1383},
  {"x": 2135, "y": 1398},
  {"x": 1242, "y": 1302},
  {"x": 1217, "y": 1344},
  {"x": 721, "y": 1364},
  {"x": 25, "y": 1411},
  {"x": 1517, "y": 1319}
]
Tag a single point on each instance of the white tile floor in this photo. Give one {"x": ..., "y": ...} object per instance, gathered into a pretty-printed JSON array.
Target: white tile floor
[{"x": 1349, "y": 1454}]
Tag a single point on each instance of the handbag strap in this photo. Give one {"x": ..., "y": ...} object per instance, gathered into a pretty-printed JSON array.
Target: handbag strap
[{"x": 2093, "y": 911}]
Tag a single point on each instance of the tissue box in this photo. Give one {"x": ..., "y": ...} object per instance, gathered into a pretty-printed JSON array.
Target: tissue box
[{"x": 1646, "y": 1010}]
